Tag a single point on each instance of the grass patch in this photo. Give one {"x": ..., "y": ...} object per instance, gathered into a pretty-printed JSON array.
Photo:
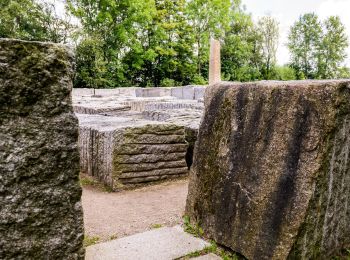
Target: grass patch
[
  {"x": 89, "y": 181},
  {"x": 215, "y": 249},
  {"x": 89, "y": 241},
  {"x": 112, "y": 237},
  {"x": 107, "y": 188},
  {"x": 195, "y": 230},
  {"x": 156, "y": 226},
  {"x": 86, "y": 181},
  {"x": 344, "y": 255}
]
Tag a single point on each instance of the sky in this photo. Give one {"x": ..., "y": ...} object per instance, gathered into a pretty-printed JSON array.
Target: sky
[{"x": 287, "y": 12}]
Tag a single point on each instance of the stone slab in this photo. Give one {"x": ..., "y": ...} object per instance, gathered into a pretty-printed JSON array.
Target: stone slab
[
  {"x": 152, "y": 92},
  {"x": 165, "y": 243},
  {"x": 199, "y": 93},
  {"x": 177, "y": 92},
  {"x": 210, "y": 256},
  {"x": 188, "y": 92}
]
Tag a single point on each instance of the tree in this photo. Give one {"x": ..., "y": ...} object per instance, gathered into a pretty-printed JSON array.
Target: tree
[
  {"x": 116, "y": 26},
  {"x": 332, "y": 49},
  {"x": 208, "y": 18},
  {"x": 241, "y": 52},
  {"x": 167, "y": 40},
  {"x": 269, "y": 30},
  {"x": 90, "y": 67},
  {"x": 284, "y": 73},
  {"x": 304, "y": 45},
  {"x": 40, "y": 23}
]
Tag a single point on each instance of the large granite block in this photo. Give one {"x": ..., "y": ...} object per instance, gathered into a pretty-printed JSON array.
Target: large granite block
[
  {"x": 41, "y": 215},
  {"x": 271, "y": 172},
  {"x": 124, "y": 150}
]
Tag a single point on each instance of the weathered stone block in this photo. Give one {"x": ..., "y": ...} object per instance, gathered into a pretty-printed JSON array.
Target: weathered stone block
[
  {"x": 271, "y": 173},
  {"x": 41, "y": 214},
  {"x": 124, "y": 150},
  {"x": 177, "y": 92},
  {"x": 152, "y": 92},
  {"x": 188, "y": 92},
  {"x": 199, "y": 93}
]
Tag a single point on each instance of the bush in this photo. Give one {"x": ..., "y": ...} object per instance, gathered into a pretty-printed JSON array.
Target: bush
[
  {"x": 198, "y": 80},
  {"x": 285, "y": 73},
  {"x": 168, "y": 83}
]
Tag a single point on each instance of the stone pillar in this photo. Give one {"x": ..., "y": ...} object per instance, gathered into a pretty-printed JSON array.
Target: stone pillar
[
  {"x": 214, "y": 62},
  {"x": 271, "y": 171},
  {"x": 41, "y": 212}
]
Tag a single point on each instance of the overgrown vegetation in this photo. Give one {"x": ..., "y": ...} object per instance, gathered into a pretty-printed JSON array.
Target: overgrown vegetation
[
  {"x": 89, "y": 181},
  {"x": 344, "y": 255},
  {"x": 90, "y": 240},
  {"x": 154, "y": 226},
  {"x": 197, "y": 231},
  {"x": 166, "y": 43}
]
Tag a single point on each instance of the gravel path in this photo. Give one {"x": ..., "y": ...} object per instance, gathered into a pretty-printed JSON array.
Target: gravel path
[{"x": 112, "y": 215}]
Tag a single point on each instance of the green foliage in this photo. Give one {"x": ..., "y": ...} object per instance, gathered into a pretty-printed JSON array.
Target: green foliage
[
  {"x": 284, "y": 73},
  {"x": 167, "y": 83},
  {"x": 151, "y": 43},
  {"x": 89, "y": 241},
  {"x": 303, "y": 42},
  {"x": 87, "y": 181},
  {"x": 154, "y": 226},
  {"x": 214, "y": 249},
  {"x": 344, "y": 73},
  {"x": 269, "y": 33},
  {"x": 241, "y": 53},
  {"x": 198, "y": 80},
  {"x": 317, "y": 49},
  {"x": 196, "y": 230},
  {"x": 91, "y": 69},
  {"x": 332, "y": 49},
  {"x": 33, "y": 20}
]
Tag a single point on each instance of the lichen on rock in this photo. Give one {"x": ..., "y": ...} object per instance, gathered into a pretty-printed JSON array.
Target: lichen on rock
[
  {"x": 41, "y": 213},
  {"x": 271, "y": 172}
]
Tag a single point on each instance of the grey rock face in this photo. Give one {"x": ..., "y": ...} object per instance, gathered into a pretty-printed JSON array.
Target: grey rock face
[
  {"x": 41, "y": 213},
  {"x": 271, "y": 172}
]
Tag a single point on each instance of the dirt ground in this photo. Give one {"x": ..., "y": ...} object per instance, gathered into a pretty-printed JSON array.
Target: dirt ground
[{"x": 110, "y": 215}]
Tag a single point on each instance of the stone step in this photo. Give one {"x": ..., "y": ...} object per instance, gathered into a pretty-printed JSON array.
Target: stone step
[
  {"x": 141, "y": 167},
  {"x": 210, "y": 256},
  {"x": 165, "y": 243},
  {"x": 131, "y": 149},
  {"x": 149, "y": 158},
  {"x": 152, "y": 178},
  {"x": 158, "y": 172}
]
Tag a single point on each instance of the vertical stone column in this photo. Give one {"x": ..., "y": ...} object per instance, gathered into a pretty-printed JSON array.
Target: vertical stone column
[
  {"x": 40, "y": 208},
  {"x": 214, "y": 62}
]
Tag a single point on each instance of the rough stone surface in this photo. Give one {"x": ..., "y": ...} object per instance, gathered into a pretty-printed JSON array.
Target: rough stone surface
[
  {"x": 115, "y": 122},
  {"x": 271, "y": 173},
  {"x": 124, "y": 151},
  {"x": 41, "y": 214},
  {"x": 159, "y": 244}
]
